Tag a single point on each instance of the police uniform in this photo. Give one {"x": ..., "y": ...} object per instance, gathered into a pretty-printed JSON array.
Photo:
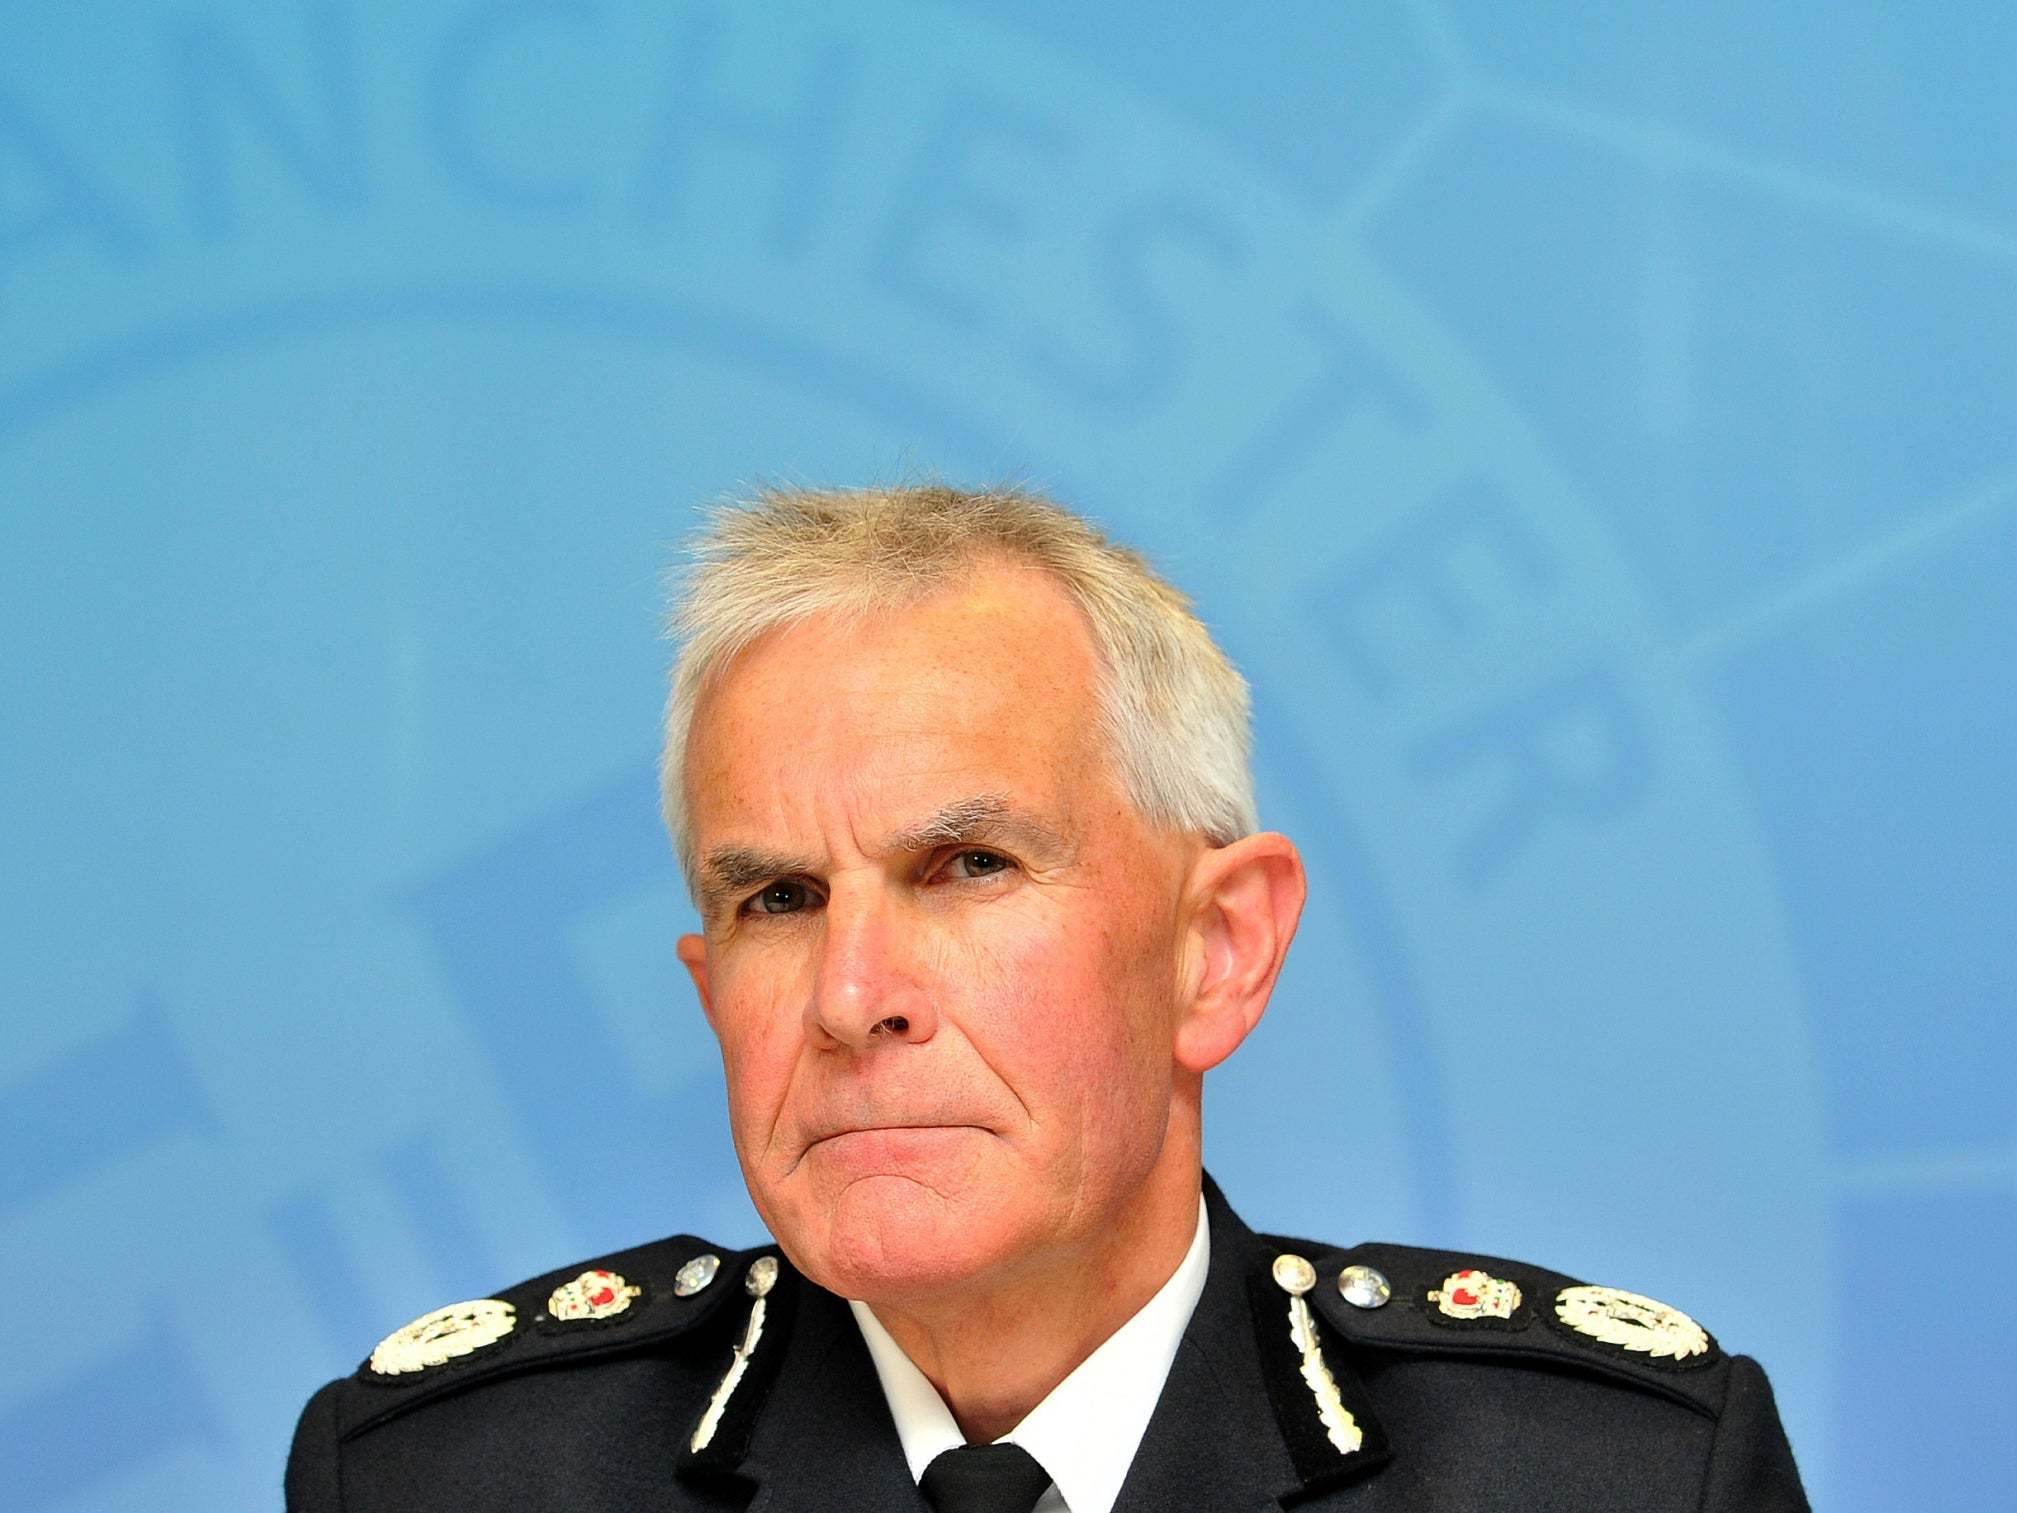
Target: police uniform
[{"x": 1383, "y": 1377}]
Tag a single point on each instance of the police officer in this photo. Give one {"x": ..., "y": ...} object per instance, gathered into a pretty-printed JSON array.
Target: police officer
[{"x": 961, "y": 791}]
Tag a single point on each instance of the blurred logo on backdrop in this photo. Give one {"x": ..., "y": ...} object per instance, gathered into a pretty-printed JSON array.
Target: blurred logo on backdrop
[{"x": 1516, "y": 805}]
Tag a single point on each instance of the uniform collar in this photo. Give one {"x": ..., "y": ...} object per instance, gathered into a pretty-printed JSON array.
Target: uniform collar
[
  {"x": 810, "y": 1429},
  {"x": 1086, "y": 1430},
  {"x": 1238, "y": 1426}
]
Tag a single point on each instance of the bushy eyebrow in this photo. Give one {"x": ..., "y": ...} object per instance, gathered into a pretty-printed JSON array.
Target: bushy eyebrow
[
  {"x": 981, "y": 819},
  {"x": 730, "y": 871}
]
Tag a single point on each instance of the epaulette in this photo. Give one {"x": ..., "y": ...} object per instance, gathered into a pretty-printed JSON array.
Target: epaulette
[
  {"x": 619, "y": 1303},
  {"x": 1402, "y": 1299}
]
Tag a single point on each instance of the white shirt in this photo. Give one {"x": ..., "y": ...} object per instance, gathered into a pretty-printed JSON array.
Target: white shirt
[{"x": 1086, "y": 1432}]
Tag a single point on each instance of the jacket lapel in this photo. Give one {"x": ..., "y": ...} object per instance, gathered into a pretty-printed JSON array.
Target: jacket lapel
[
  {"x": 825, "y": 1442},
  {"x": 1236, "y": 1426}
]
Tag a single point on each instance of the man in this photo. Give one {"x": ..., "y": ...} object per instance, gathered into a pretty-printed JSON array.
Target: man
[{"x": 961, "y": 791}]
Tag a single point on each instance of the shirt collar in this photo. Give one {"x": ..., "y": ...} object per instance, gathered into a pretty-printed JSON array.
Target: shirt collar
[{"x": 1086, "y": 1431}]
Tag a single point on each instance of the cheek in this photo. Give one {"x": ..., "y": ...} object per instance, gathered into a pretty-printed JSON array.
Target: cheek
[
  {"x": 760, "y": 1042},
  {"x": 1080, "y": 1009}
]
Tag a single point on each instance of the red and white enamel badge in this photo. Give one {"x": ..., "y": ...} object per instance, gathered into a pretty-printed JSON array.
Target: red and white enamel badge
[
  {"x": 592, "y": 1295},
  {"x": 1472, "y": 1294}
]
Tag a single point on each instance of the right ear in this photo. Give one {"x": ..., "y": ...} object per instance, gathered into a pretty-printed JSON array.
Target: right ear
[{"x": 693, "y": 954}]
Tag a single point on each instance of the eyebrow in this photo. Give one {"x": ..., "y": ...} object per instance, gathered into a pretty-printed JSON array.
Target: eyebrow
[
  {"x": 730, "y": 870},
  {"x": 978, "y": 819}
]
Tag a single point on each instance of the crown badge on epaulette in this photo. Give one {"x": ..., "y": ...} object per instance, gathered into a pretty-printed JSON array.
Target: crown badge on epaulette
[
  {"x": 436, "y": 1338},
  {"x": 592, "y": 1295},
  {"x": 1631, "y": 1322},
  {"x": 1473, "y": 1294}
]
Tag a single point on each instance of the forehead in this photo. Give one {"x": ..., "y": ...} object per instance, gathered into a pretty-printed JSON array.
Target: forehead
[{"x": 988, "y": 686}]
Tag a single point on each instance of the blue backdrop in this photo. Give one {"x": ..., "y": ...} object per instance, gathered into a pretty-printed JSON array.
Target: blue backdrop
[{"x": 1590, "y": 428}]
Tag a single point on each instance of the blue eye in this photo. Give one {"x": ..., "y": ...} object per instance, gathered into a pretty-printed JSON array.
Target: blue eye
[
  {"x": 977, "y": 863},
  {"x": 786, "y": 897}
]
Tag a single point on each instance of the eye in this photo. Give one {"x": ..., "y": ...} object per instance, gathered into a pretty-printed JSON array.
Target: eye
[
  {"x": 971, "y": 863},
  {"x": 785, "y": 896}
]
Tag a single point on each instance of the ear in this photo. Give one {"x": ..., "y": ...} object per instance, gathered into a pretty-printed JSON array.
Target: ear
[
  {"x": 693, "y": 955},
  {"x": 1245, "y": 901}
]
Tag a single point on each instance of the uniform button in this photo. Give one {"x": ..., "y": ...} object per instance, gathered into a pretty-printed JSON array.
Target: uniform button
[
  {"x": 762, "y": 1276},
  {"x": 1364, "y": 1287},
  {"x": 695, "y": 1274}
]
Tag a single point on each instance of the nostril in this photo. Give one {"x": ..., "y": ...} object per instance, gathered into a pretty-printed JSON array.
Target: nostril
[{"x": 896, "y": 1024}]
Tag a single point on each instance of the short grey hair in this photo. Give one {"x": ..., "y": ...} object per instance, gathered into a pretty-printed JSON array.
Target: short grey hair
[{"x": 1173, "y": 707}]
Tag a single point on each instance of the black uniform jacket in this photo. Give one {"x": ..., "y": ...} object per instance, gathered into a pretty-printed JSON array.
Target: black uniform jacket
[{"x": 595, "y": 1416}]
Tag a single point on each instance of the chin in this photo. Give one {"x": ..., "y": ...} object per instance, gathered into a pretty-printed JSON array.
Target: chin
[{"x": 890, "y": 1237}]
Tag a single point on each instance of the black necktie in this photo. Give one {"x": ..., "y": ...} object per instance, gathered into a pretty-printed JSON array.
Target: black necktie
[{"x": 984, "y": 1479}]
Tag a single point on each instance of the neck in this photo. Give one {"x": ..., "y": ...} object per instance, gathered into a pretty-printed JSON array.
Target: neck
[{"x": 994, "y": 1353}]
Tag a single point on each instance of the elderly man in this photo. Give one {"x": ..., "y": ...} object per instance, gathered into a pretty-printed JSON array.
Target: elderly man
[{"x": 961, "y": 790}]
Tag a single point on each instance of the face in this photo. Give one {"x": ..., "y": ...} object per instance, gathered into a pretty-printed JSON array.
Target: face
[{"x": 941, "y": 948}]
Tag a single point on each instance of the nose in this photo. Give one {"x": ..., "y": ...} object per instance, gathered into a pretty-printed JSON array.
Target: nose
[{"x": 868, "y": 986}]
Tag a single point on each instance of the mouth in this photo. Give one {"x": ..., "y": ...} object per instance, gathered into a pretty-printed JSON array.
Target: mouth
[
  {"x": 894, "y": 1127},
  {"x": 897, "y": 1141}
]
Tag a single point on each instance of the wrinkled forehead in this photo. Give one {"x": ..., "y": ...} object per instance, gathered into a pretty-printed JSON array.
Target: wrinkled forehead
[{"x": 989, "y": 686}]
